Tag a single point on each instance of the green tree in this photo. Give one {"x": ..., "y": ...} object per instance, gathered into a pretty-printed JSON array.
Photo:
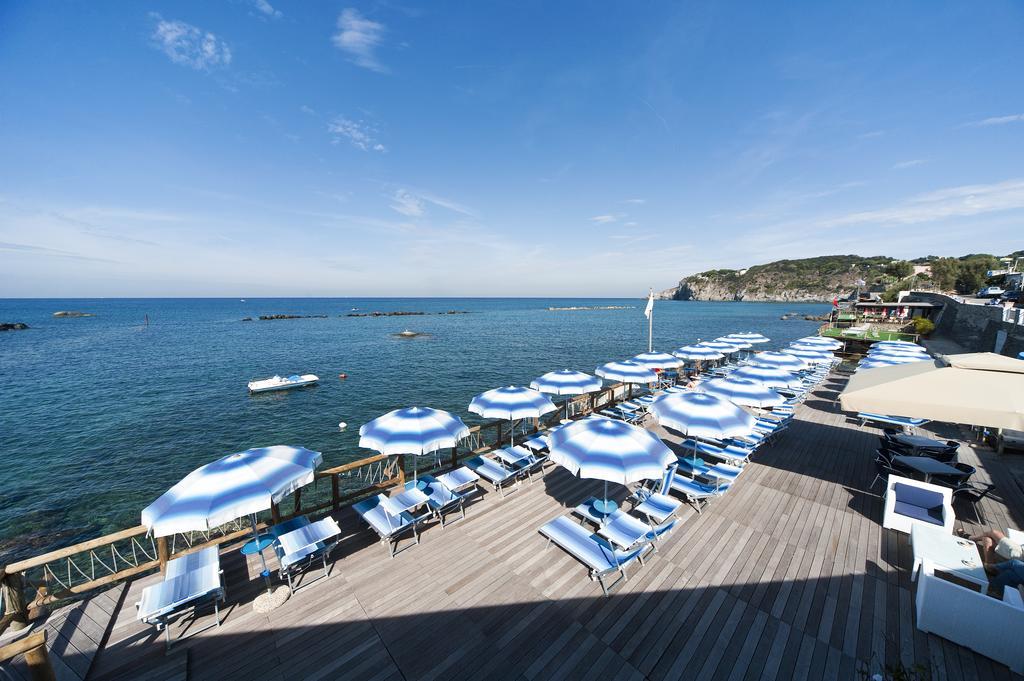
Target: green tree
[
  {"x": 945, "y": 272},
  {"x": 971, "y": 276},
  {"x": 901, "y": 269}
]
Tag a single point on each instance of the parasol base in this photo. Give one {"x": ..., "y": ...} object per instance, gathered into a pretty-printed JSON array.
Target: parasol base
[{"x": 268, "y": 601}]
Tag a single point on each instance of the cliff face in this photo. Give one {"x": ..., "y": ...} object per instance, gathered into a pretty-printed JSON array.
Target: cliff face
[{"x": 797, "y": 281}]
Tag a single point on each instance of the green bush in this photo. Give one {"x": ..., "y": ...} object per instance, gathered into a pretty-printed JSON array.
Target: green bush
[{"x": 923, "y": 326}]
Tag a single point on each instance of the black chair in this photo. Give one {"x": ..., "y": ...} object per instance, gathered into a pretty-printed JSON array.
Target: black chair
[
  {"x": 883, "y": 469},
  {"x": 972, "y": 492}
]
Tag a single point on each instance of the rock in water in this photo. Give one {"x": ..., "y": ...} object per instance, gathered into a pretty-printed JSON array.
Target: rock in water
[
  {"x": 15, "y": 326},
  {"x": 73, "y": 313}
]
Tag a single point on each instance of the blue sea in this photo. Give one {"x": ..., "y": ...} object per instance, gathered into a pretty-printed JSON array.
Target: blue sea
[{"x": 99, "y": 415}]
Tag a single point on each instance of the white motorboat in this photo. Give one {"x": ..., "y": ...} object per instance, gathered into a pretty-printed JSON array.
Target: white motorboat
[{"x": 282, "y": 383}]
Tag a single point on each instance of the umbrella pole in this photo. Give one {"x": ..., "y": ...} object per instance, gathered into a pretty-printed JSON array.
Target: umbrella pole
[
  {"x": 256, "y": 538},
  {"x": 512, "y": 434},
  {"x": 606, "y": 496}
]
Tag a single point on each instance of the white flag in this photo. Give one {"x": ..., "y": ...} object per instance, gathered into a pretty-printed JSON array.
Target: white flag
[{"x": 650, "y": 305}]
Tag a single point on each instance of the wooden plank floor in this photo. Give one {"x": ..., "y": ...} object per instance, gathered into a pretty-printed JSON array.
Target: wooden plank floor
[{"x": 788, "y": 576}]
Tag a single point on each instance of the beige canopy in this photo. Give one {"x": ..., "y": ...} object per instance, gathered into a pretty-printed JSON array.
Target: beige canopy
[{"x": 978, "y": 389}]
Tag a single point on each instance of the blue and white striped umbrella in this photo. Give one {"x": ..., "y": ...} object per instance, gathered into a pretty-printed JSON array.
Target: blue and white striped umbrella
[
  {"x": 750, "y": 337},
  {"x": 894, "y": 358},
  {"x": 613, "y": 451},
  {"x": 697, "y": 353},
  {"x": 724, "y": 348},
  {"x": 511, "y": 403},
  {"x": 813, "y": 347},
  {"x": 743, "y": 392},
  {"x": 769, "y": 376},
  {"x": 702, "y": 415},
  {"x": 566, "y": 382},
  {"x": 626, "y": 372},
  {"x": 414, "y": 430},
  {"x": 896, "y": 350},
  {"x": 824, "y": 341},
  {"x": 811, "y": 356},
  {"x": 231, "y": 487},
  {"x": 895, "y": 344},
  {"x": 735, "y": 342},
  {"x": 605, "y": 449},
  {"x": 658, "y": 360},
  {"x": 778, "y": 360}
]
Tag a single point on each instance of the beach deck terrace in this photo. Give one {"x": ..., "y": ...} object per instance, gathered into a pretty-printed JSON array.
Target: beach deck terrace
[{"x": 788, "y": 576}]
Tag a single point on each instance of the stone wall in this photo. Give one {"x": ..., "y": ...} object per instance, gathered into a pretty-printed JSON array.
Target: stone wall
[{"x": 977, "y": 328}]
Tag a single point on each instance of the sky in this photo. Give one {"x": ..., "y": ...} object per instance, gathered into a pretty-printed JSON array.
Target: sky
[{"x": 273, "y": 148}]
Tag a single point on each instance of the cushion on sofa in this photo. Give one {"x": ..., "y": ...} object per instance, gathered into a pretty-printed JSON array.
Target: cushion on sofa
[
  {"x": 925, "y": 498},
  {"x": 928, "y": 515}
]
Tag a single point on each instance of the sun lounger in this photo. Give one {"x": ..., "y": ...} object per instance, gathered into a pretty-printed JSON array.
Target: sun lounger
[
  {"x": 493, "y": 472},
  {"x": 654, "y": 502},
  {"x": 733, "y": 454},
  {"x": 449, "y": 492},
  {"x": 697, "y": 493},
  {"x": 594, "y": 551},
  {"x": 621, "y": 528},
  {"x": 301, "y": 547},
  {"x": 388, "y": 527},
  {"x": 188, "y": 582},
  {"x": 900, "y": 421},
  {"x": 536, "y": 443}
]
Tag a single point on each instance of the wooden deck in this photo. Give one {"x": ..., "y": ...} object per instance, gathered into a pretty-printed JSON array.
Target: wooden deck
[{"x": 788, "y": 576}]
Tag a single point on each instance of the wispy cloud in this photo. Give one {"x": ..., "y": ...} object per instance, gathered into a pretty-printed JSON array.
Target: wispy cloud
[
  {"x": 359, "y": 134},
  {"x": 407, "y": 204},
  {"x": 189, "y": 45},
  {"x": 607, "y": 219},
  {"x": 360, "y": 37},
  {"x": 307, "y": 110},
  {"x": 46, "y": 251},
  {"x": 638, "y": 201},
  {"x": 266, "y": 9},
  {"x": 997, "y": 120},
  {"x": 902, "y": 165},
  {"x": 871, "y": 134},
  {"x": 413, "y": 203},
  {"x": 963, "y": 201}
]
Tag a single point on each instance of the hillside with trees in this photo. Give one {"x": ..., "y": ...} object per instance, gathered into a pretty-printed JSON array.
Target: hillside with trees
[{"x": 822, "y": 278}]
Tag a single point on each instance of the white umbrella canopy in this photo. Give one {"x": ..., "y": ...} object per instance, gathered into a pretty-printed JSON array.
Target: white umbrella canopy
[
  {"x": 778, "y": 360},
  {"x": 724, "y": 348},
  {"x": 735, "y": 342},
  {"x": 769, "y": 376},
  {"x": 626, "y": 372},
  {"x": 749, "y": 337},
  {"x": 566, "y": 382},
  {"x": 658, "y": 360},
  {"x": 511, "y": 403},
  {"x": 824, "y": 341},
  {"x": 743, "y": 392},
  {"x": 979, "y": 389},
  {"x": 811, "y": 356},
  {"x": 697, "y": 353}
]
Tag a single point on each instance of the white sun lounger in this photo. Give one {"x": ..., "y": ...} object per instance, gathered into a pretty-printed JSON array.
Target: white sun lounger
[
  {"x": 449, "y": 492},
  {"x": 188, "y": 582},
  {"x": 301, "y": 547},
  {"x": 493, "y": 472},
  {"x": 388, "y": 527},
  {"x": 597, "y": 553},
  {"x": 696, "y": 493}
]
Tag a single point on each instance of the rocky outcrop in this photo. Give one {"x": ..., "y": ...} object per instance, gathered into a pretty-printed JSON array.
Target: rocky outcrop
[
  {"x": 15, "y": 326},
  {"x": 401, "y": 314},
  {"x": 265, "y": 317},
  {"x": 809, "y": 280},
  {"x": 72, "y": 313}
]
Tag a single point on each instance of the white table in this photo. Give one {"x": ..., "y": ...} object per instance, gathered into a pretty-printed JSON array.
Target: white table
[{"x": 950, "y": 553}]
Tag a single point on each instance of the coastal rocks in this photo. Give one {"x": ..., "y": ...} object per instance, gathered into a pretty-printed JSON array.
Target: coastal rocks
[
  {"x": 247, "y": 319},
  {"x": 401, "y": 313},
  {"x": 15, "y": 326},
  {"x": 72, "y": 313},
  {"x": 592, "y": 307},
  {"x": 266, "y": 317}
]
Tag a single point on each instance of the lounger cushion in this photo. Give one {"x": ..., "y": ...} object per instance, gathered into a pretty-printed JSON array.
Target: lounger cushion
[
  {"x": 928, "y": 515},
  {"x": 490, "y": 470}
]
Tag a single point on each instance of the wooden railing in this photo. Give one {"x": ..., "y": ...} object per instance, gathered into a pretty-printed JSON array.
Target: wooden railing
[
  {"x": 74, "y": 570},
  {"x": 33, "y": 648}
]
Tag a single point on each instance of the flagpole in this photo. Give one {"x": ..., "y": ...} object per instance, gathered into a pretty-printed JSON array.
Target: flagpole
[{"x": 650, "y": 325}]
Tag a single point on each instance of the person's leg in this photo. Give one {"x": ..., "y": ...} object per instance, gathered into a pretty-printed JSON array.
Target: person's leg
[{"x": 1009, "y": 573}]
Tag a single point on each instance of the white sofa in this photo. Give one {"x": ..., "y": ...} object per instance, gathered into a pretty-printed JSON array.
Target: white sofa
[
  {"x": 895, "y": 520},
  {"x": 984, "y": 624}
]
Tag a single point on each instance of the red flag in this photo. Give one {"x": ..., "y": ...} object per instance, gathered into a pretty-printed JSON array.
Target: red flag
[{"x": 835, "y": 301}]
